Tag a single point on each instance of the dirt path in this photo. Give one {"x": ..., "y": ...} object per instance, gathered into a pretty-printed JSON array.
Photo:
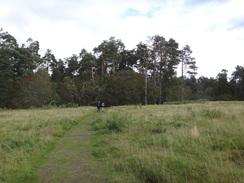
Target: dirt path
[{"x": 68, "y": 162}]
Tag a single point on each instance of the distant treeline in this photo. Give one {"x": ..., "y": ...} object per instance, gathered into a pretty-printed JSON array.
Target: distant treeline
[{"x": 112, "y": 74}]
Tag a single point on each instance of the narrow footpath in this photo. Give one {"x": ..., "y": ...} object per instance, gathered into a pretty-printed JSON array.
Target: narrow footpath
[{"x": 70, "y": 161}]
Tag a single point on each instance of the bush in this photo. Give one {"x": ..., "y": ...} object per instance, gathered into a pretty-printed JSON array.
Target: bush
[
  {"x": 187, "y": 102},
  {"x": 225, "y": 97}
]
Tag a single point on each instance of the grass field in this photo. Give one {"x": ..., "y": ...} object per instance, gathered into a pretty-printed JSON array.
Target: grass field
[
  {"x": 173, "y": 143},
  {"x": 201, "y": 142},
  {"x": 27, "y": 135}
]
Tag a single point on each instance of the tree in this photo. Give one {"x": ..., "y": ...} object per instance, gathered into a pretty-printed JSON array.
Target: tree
[
  {"x": 188, "y": 65},
  {"x": 166, "y": 58},
  {"x": 58, "y": 71},
  {"x": 24, "y": 64},
  {"x": 8, "y": 46},
  {"x": 124, "y": 87},
  {"x": 34, "y": 47},
  {"x": 68, "y": 92},
  {"x": 157, "y": 46},
  {"x": 48, "y": 60},
  {"x": 128, "y": 60},
  {"x": 223, "y": 89},
  {"x": 206, "y": 88},
  {"x": 142, "y": 54},
  {"x": 192, "y": 84},
  {"x": 238, "y": 79},
  {"x": 86, "y": 65},
  {"x": 108, "y": 54},
  {"x": 174, "y": 91},
  {"x": 73, "y": 66},
  {"x": 87, "y": 93},
  {"x": 35, "y": 90}
]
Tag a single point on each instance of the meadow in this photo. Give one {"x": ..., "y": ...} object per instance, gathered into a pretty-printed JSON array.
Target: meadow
[
  {"x": 202, "y": 142},
  {"x": 26, "y": 136},
  {"x": 195, "y": 142}
]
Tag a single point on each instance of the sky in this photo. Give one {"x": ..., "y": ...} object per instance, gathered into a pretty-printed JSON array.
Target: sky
[{"x": 214, "y": 29}]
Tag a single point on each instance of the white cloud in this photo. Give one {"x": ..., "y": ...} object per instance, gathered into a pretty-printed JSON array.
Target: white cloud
[{"x": 213, "y": 29}]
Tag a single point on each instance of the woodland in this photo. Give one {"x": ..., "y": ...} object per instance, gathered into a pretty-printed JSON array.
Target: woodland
[{"x": 111, "y": 73}]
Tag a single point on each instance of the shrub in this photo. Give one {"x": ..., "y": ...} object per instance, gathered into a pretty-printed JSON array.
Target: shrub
[{"x": 225, "y": 97}]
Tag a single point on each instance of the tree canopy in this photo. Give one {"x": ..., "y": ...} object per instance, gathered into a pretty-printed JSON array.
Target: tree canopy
[{"x": 111, "y": 73}]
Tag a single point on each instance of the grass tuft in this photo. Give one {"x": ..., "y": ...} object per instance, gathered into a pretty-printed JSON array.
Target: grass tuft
[
  {"x": 114, "y": 124},
  {"x": 212, "y": 113}
]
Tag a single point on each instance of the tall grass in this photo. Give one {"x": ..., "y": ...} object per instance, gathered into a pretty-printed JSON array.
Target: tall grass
[
  {"x": 201, "y": 142},
  {"x": 27, "y": 135}
]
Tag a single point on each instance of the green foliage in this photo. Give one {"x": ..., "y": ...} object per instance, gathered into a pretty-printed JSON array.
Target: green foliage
[
  {"x": 8, "y": 46},
  {"x": 201, "y": 101},
  {"x": 188, "y": 63},
  {"x": 124, "y": 87},
  {"x": 225, "y": 97},
  {"x": 49, "y": 106},
  {"x": 109, "y": 55},
  {"x": 88, "y": 93},
  {"x": 35, "y": 90},
  {"x": 68, "y": 92},
  {"x": 238, "y": 82},
  {"x": 68, "y": 105},
  {"x": 111, "y": 73}
]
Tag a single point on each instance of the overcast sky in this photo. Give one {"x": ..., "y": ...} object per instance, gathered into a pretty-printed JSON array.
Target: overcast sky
[{"x": 214, "y": 29}]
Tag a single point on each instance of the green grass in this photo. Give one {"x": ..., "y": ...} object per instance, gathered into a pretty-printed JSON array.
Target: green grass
[
  {"x": 26, "y": 136},
  {"x": 189, "y": 142},
  {"x": 200, "y": 142}
]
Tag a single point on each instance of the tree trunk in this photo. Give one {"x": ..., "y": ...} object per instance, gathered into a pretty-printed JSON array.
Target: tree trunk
[
  {"x": 102, "y": 68},
  {"x": 160, "y": 87},
  {"x": 182, "y": 78},
  {"x": 154, "y": 72},
  {"x": 113, "y": 67},
  {"x": 146, "y": 84},
  {"x": 92, "y": 73}
]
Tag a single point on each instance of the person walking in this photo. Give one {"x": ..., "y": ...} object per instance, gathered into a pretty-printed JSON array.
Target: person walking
[
  {"x": 98, "y": 106},
  {"x": 103, "y": 106}
]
